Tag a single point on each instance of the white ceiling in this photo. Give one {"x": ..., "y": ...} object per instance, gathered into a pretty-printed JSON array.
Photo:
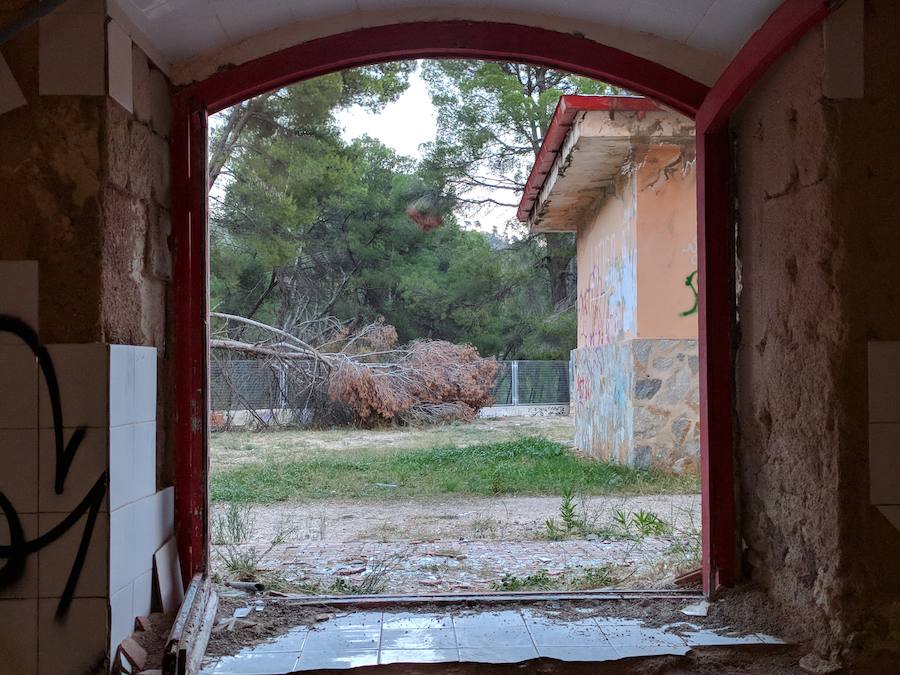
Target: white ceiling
[{"x": 180, "y": 30}]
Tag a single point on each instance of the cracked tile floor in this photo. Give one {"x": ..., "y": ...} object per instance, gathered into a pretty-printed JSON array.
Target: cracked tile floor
[{"x": 366, "y": 638}]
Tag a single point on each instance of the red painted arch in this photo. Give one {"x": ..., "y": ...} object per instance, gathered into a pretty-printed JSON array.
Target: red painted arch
[
  {"x": 489, "y": 41},
  {"x": 449, "y": 39}
]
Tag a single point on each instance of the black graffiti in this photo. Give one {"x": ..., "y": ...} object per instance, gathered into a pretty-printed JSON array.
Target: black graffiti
[{"x": 19, "y": 548}]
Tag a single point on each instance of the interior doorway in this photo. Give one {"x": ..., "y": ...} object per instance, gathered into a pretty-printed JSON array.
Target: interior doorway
[
  {"x": 393, "y": 347},
  {"x": 437, "y": 39}
]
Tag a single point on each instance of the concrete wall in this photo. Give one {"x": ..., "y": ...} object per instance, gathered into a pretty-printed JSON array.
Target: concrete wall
[
  {"x": 666, "y": 226},
  {"x": 818, "y": 243}
]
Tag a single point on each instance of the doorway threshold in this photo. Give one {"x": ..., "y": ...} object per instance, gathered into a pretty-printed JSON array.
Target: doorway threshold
[{"x": 500, "y": 598}]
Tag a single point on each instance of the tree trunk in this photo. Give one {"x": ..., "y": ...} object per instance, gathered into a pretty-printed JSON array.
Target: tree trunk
[{"x": 560, "y": 251}]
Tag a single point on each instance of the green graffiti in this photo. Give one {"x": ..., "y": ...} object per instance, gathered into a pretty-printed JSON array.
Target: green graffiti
[{"x": 689, "y": 282}]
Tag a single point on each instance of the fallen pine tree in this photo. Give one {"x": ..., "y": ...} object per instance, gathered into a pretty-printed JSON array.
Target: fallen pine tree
[{"x": 364, "y": 374}]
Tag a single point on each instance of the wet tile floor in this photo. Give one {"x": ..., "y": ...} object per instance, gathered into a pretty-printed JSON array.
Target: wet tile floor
[{"x": 366, "y": 638}]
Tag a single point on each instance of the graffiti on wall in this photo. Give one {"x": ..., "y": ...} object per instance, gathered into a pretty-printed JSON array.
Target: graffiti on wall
[
  {"x": 690, "y": 282},
  {"x": 606, "y": 302},
  {"x": 19, "y": 548}
]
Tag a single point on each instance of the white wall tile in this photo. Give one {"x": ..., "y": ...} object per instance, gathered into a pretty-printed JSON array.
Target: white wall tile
[
  {"x": 72, "y": 54},
  {"x": 18, "y": 387},
  {"x": 27, "y": 585},
  {"x": 144, "y": 384},
  {"x": 119, "y": 73},
  {"x": 121, "y": 617},
  {"x": 884, "y": 381},
  {"x": 144, "y": 475},
  {"x": 88, "y": 465},
  {"x": 122, "y": 544},
  {"x": 19, "y": 468},
  {"x": 121, "y": 466},
  {"x": 19, "y": 644},
  {"x": 55, "y": 560},
  {"x": 77, "y": 642},
  {"x": 884, "y": 463},
  {"x": 82, "y": 374},
  {"x": 18, "y": 278},
  {"x": 153, "y": 518},
  {"x": 121, "y": 385},
  {"x": 143, "y": 594}
]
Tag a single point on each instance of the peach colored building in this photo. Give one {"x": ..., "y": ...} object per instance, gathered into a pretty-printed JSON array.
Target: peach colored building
[{"x": 620, "y": 175}]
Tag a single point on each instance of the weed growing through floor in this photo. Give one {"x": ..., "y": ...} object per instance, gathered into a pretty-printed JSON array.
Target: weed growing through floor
[
  {"x": 373, "y": 581},
  {"x": 530, "y": 466},
  {"x": 579, "y": 520},
  {"x": 684, "y": 553},
  {"x": 572, "y": 579},
  {"x": 235, "y": 525},
  {"x": 592, "y": 578},
  {"x": 539, "y": 581}
]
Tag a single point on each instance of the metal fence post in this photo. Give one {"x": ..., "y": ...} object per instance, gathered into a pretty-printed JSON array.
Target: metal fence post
[
  {"x": 514, "y": 382},
  {"x": 282, "y": 388}
]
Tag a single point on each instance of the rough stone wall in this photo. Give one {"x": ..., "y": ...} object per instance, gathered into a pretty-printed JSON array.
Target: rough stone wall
[
  {"x": 866, "y": 204},
  {"x": 137, "y": 293},
  {"x": 818, "y": 243},
  {"x": 637, "y": 402},
  {"x": 51, "y": 171},
  {"x": 666, "y": 404},
  {"x": 86, "y": 194}
]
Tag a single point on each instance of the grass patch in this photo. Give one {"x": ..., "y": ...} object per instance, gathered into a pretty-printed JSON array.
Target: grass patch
[{"x": 528, "y": 466}]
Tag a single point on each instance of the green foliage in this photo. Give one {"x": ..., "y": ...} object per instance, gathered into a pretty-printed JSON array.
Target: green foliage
[
  {"x": 592, "y": 578},
  {"x": 540, "y": 581},
  {"x": 530, "y": 466},
  {"x": 568, "y": 511},
  {"x": 305, "y": 225}
]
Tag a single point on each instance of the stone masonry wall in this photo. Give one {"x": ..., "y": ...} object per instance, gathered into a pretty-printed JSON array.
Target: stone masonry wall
[
  {"x": 136, "y": 280},
  {"x": 637, "y": 402},
  {"x": 666, "y": 404},
  {"x": 818, "y": 243}
]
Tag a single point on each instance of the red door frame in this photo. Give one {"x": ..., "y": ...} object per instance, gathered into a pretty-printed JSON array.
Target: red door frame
[{"x": 493, "y": 41}]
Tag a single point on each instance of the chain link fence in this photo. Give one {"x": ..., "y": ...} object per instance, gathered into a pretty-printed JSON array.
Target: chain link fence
[{"x": 259, "y": 385}]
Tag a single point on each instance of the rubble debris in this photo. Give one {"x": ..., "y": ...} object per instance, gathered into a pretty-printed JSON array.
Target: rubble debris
[
  {"x": 699, "y": 609},
  {"x": 247, "y": 586},
  {"x": 813, "y": 663}
]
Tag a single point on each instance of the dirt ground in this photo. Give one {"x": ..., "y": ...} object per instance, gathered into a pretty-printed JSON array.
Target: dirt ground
[
  {"x": 450, "y": 518},
  {"x": 234, "y": 448},
  {"x": 443, "y": 544},
  {"x": 459, "y": 545}
]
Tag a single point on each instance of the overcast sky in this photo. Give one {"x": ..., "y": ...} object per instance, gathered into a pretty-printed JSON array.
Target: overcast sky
[
  {"x": 405, "y": 125},
  {"x": 402, "y": 125}
]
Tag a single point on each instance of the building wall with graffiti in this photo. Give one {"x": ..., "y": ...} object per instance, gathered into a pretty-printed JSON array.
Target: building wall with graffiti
[
  {"x": 607, "y": 270},
  {"x": 637, "y": 402},
  {"x": 635, "y": 393},
  {"x": 666, "y": 227}
]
